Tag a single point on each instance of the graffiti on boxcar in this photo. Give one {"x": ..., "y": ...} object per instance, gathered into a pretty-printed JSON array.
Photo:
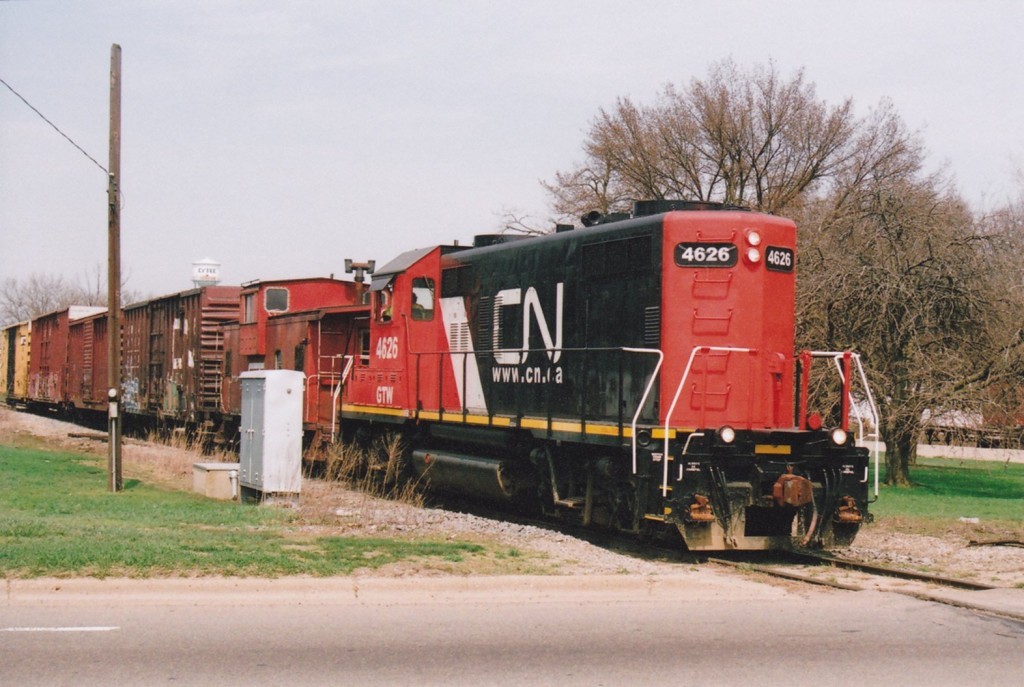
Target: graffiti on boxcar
[{"x": 130, "y": 395}]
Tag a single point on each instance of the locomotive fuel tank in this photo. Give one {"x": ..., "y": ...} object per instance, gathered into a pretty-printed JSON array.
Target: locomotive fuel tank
[{"x": 475, "y": 476}]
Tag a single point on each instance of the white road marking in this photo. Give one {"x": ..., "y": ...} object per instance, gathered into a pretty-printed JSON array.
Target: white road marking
[{"x": 99, "y": 628}]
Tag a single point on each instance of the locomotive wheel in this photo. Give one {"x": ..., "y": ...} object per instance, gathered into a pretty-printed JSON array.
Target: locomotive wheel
[{"x": 839, "y": 535}]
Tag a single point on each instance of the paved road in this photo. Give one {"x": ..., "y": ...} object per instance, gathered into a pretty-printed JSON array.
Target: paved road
[{"x": 700, "y": 628}]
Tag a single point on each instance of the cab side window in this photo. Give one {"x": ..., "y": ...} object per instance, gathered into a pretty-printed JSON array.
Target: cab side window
[{"x": 423, "y": 298}]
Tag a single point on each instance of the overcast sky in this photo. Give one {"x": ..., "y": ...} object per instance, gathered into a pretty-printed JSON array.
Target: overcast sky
[{"x": 280, "y": 138}]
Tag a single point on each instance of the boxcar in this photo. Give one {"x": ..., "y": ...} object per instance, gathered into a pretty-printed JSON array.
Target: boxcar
[
  {"x": 48, "y": 357},
  {"x": 14, "y": 356},
  {"x": 173, "y": 354},
  {"x": 88, "y": 362}
]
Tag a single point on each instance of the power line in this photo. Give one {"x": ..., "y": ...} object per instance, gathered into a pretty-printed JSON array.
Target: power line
[{"x": 43, "y": 117}]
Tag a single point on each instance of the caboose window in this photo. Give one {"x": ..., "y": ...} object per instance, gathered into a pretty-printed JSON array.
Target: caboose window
[
  {"x": 276, "y": 300},
  {"x": 423, "y": 298},
  {"x": 249, "y": 308}
]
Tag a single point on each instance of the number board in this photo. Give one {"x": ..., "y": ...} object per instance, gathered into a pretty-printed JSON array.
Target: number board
[
  {"x": 706, "y": 254},
  {"x": 778, "y": 259}
]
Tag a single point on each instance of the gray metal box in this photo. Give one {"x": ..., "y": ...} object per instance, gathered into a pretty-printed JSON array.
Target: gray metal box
[{"x": 270, "y": 456}]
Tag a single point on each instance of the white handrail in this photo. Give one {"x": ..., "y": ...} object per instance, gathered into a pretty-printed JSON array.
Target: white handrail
[
  {"x": 836, "y": 358},
  {"x": 349, "y": 360},
  {"x": 679, "y": 391},
  {"x": 647, "y": 391}
]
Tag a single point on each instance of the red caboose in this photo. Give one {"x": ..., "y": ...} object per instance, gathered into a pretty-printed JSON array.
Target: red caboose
[{"x": 296, "y": 324}]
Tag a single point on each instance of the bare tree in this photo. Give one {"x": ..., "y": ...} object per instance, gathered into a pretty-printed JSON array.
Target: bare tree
[
  {"x": 746, "y": 138},
  {"x": 38, "y": 294},
  {"x": 1001, "y": 373},
  {"x": 515, "y": 222},
  {"x": 899, "y": 274},
  {"x": 31, "y": 297},
  {"x": 891, "y": 261}
]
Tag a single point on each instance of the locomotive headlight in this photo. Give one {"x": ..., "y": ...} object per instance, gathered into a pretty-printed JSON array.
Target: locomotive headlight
[
  {"x": 753, "y": 238},
  {"x": 726, "y": 434},
  {"x": 838, "y": 436},
  {"x": 753, "y": 255}
]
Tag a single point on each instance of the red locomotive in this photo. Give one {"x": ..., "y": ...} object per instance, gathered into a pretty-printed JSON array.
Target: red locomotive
[{"x": 637, "y": 373}]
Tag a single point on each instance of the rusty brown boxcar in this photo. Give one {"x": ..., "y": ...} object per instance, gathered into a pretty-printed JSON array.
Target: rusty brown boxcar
[
  {"x": 173, "y": 354},
  {"x": 88, "y": 362},
  {"x": 48, "y": 356}
]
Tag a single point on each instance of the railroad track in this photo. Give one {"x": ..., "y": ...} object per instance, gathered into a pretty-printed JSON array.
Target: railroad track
[
  {"x": 885, "y": 571},
  {"x": 804, "y": 567},
  {"x": 820, "y": 569},
  {"x": 799, "y": 566}
]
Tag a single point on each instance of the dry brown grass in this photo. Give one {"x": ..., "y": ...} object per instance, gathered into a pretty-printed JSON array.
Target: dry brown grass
[
  {"x": 167, "y": 461},
  {"x": 376, "y": 470}
]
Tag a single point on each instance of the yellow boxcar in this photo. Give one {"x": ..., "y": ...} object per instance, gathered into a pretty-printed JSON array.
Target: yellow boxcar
[{"x": 14, "y": 358}]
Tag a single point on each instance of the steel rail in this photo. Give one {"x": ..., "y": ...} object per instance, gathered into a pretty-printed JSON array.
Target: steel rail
[{"x": 886, "y": 571}]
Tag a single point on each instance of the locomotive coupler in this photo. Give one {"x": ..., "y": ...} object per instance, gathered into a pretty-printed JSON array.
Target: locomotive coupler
[
  {"x": 792, "y": 490},
  {"x": 848, "y": 512},
  {"x": 700, "y": 510}
]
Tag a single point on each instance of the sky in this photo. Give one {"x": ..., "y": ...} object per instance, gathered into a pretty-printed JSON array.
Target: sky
[{"x": 280, "y": 138}]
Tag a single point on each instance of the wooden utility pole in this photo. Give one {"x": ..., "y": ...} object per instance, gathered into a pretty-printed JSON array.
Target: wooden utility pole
[{"x": 114, "y": 275}]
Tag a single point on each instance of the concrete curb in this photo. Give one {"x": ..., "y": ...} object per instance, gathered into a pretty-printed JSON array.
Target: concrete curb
[
  {"x": 381, "y": 590},
  {"x": 365, "y": 590},
  {"x": 1005, "y": 603}
]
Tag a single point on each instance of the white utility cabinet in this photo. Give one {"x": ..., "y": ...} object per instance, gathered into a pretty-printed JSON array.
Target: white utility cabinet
[{"x": 270, "y": 456}]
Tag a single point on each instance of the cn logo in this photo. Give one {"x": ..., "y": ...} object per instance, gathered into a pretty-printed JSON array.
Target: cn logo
[{"x": 532, "y": 314}]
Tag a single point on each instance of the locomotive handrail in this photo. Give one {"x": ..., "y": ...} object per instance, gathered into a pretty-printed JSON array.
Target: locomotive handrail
[
  {"x": 679, "y": 392},
  {"x": 647, "y": 392},
  {"x": 349, "y": 360},
  {"x": 461, "y": 371},
  {"x": 836, "y": 357}
]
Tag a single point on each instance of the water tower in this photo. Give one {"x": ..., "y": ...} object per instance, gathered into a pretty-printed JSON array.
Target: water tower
[{"x": 205, "y": 272}]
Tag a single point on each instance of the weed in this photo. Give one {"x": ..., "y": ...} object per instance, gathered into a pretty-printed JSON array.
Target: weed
[{"x": 377, "y": 470}]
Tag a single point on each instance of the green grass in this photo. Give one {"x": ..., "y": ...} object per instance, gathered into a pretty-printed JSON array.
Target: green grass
[
  {"x": 58, "y": 519},
  {"x": 946, "y": 490}
]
